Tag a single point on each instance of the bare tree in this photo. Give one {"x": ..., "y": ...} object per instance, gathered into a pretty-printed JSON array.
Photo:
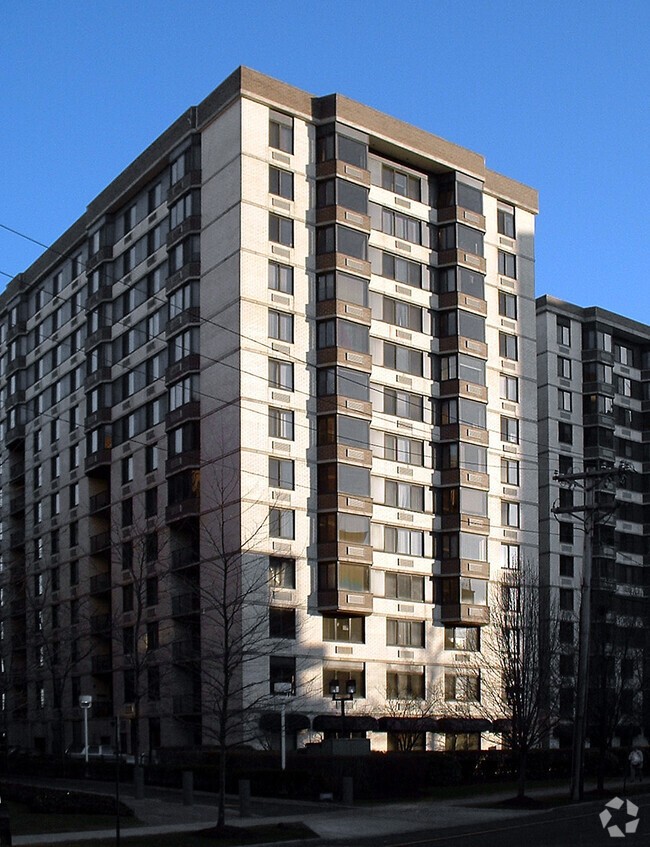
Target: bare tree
[
  {"x": 413, "y": 715},
  {"x": 59, "y": 643},
  {"x": 616, "y": 689},
  {"x": 140, "y": 636},
  {"x": 519, "y": 671},
  {"x": 235, "y": 642}
]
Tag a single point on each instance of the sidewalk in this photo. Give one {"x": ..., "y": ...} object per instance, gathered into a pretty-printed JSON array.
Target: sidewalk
[{"x": 162, "y": 811}]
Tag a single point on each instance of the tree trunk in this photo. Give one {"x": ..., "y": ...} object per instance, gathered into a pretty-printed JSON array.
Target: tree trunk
[
  {"x": 521, "y": 782},
  {"x": 600, "y": 774},
  {"x": 221, "y": 816}
]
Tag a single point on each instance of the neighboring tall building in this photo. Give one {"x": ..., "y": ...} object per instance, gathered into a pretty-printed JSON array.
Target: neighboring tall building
[
  {"x": 321, "y": 319},
  {"x": 593, "y": 389}
]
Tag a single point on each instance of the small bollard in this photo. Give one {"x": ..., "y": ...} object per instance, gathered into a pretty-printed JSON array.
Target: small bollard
[
  {"x": 5, "y": 827},
  {"x": 138, "y": 782},
  {"x": 188, "y": 788},
  {"x": 244, "y": 798},
  {"x": 347, "y": 794}
]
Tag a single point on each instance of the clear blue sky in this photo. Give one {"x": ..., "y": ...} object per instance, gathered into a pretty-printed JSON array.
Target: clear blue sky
[{"x": 554, "y": 94}]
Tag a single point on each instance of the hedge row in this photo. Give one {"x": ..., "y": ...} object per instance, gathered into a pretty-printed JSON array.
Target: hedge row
[{"x": 40, "y": 799}]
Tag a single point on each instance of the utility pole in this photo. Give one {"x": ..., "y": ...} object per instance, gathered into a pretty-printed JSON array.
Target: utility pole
[{"x": 592, "y": 481}]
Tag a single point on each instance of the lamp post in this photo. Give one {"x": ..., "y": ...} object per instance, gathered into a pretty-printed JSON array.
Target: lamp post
[
  {"x": 85, "y": 702},
  {"x": 285, "y": 690},
  {"x": 339, "y": 697}
]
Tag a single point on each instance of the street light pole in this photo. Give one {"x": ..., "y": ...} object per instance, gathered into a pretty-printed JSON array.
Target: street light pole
[
  {"x": 85, "y": 702},
  {"x": 337, "y": 696},
  {"x": 285, "y": 690}
]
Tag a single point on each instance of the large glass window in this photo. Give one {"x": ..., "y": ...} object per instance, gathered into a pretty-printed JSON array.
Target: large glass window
[
  {"x": 506, "y": 219},
  {"x": 342, "y": 286},
  {"x": 351, "y": 630},
  {"x": 507, "y": 264},
  {"x": 401, "y": 270},
  {"x": 281, "y": 132},
  {"x": 281, "y": 374},
  {"x": 400, "y": 183},
  {"x": 281, "y": 423},
  {"x": 340, "y": 192},
  {"x": 280, "y": 278},
  {"x": 280, "y": 230},
  {"x": 404, "y": 586},
  {"x": 403, "y": 404},
  {"x": 343, "y": 381},
  {"x": 404, "y": 633},
  {"x": 403, "y": 449},
  {"x": 401, "y": 314},
  {"x": 280, "y": 326},
  {"x": 404, "y": 359},
  {"x": 281, "y": 183},
  {"x": 407, "y": 541},
  {"x": 404, "y": 495}
]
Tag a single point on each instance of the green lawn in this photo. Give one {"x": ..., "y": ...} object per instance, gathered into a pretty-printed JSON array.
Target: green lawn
[
  {"x": 25, "y": 822},
  {"x": 248, "y": 835}
]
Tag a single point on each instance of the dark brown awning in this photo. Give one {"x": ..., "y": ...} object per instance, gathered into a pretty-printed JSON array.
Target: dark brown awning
[
  {"x": 407, "y": 724},
  {"x": 294, "y": 721},
  {"x": 350, "y": 723}
]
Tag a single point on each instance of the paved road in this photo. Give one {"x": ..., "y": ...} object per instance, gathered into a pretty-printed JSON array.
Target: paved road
[{"x": 575, "y": 826}]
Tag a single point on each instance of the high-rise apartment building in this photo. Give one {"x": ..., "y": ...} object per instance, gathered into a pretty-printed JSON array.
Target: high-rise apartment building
[
  {"x": 594, "y": 385},
  {"x": 314, "y": 319}
]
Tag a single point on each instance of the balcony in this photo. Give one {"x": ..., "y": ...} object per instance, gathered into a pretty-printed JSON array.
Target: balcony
[
  {"x": 462, "y": 388},
  {"x": 16, "y": 364},
  {"x": 16, "y": 472},
  {"x": 18, "y": 607},
  {"x": 185, "y": 509},
  {"x": 186, "y": 704},
  {"x": 465, "y": 523},
  {"x": 456, "y": 299},
  {"x": 461, "y": 215},
  {"x": 100, "y": 375},
  {"x": 15, "y": 399},
  {"x": 460, "y": 476},
  {"x": 345, "y": 552},
  {"x": 463, "y": 614},
  {"x": 192, "y": 270},
  {"x": 345, "y": 602},
  {"x": 101, "y": 416},
  {"x": 336, "y": 167},
  {"x": 342, "y": 453},
  {"x": 187, "y": 412},
  {"x": 185, "y": 558},
  {"x": 465, "y": 567},
  {"x": 15, "y": 435},
  {"x": 97, "y": 337},
  {"x": 102, "y": 664},
  {"x": 189, "y": 459},
  {"x": 100, "y": 624},
  {"x": 189, "y": 225},
  {"x": 345, "y": 503},
  {"x": 462, "y": 257},
  {"x": 187, "y": 318},
  {"x": 340, "y": 356},
  {"x": 187, "y": 364},
  {"x": 102, "y": 708},
  {"x": 17, "y": 505},
  {"x": 460, "y": 344},
  {"x": 19, "y": 328},
  {"x": 342, "y": 309},
  {"x": 17, "y": 539},
  {"x": 104, "y": 294},
  {"x": 100, "y": 543},
  {"x": 185, "y": 604},
  {"x": 99, "y": 502},
  {"x": 100, "y": 583},
  {"x": 342, "y": 262},
  {"x": 104, "y": 254},
  {"x": 463, "y": 432},
  {"x": 186, "y": 650},
  {"x": 341, "y": 215},
  {"x": 343, "y": 406},
  {"x": 190, "y": 180},
  {"x": 98, "y": 463}
]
